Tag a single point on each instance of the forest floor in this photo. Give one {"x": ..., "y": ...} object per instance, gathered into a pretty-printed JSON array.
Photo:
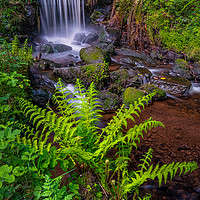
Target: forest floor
[{"x": 179, "y": 141}]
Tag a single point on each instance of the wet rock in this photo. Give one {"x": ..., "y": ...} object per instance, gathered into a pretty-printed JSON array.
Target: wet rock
[
  {"x": 141, "y": 57},
  {"x": 45, "y": 64},
  {"x": 181, "y": 67},
  {"x": 61, "y": 48},
  {"x": 171, "y": 84},
  {"x": 92, "y": 37},
  {"x": 156, "y": 56},
  {"x": 47, "y": 48},
  {"x": 55, "y": 48},
  {"x": 116, "y": 89},
  {"x": 183, "y": 147},
  {"x": 109, "y": 101},
  {"x": 149, "y": 88},
  {"x": 172, "y": 56},
  {"x": 40, "y": 40},
  {"x": 131, "y": 95},
  {"x": 39, "y": 81},
  {"x": 93, "y": 55},
  {"x": 66, "y": 61},
  {"x": 144, "y": 72},
  {"x": 79, "y": 37},
  {"x": 41, "y": 97}
]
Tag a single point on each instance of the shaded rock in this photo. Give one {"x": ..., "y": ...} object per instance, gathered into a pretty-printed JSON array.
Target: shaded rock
[
  {"x": 106, "y": 48},
  {"x": 113, "y": 36},
  {"x": 149, "y": 88},
  {"x": 93, "y": 55},
  {"x": 181, "y": 68},
  {"x": 39, "y": 81},
  {"x": 156, "y": 56},
  {"x": 116, "y": 89},
  {"x": 45, "y": 64},
  {"x": 79, "y": 37},
  {"x": 69, "y": 74},
  {"x": 172, "y": 56},
  {"x": 109, "y": 101},
  {"x": 41, "y": 97},
  {"x": 131, "y": 95},
  {"x": 61, "y": 48},
  {"x": 171, "y": 84},
  {"x": 92, "y": 37},
  {"x": 145, "y": 59},
  {"x": 103, "y": 37}
]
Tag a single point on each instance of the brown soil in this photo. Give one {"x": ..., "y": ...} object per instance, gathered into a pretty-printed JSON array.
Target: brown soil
[{"x": 179, "y": 141}]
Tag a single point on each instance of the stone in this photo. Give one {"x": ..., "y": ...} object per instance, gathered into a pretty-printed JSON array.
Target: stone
[
  {"x": 109, "y": 101},
  {"x": 196, "y": 70},
  {"x": 113, "y": 36},
  {"x": 40, "y": 97},
  {"x": 145, "y": 59},
  {"x": 149, "y": 88},
  {"x": 93, "y": 55},
  {"x": 181, "y": 68},
  {"x": 92, "y": 37},
  {"x": 47, "y": 48},
  {"x": 131, "y": 95},
  {"x": 61, "y": 48},
  {"x": 107, "y": 48},
  {"x": 172, "y": 85},
  {"x": 40, "y": 40}
]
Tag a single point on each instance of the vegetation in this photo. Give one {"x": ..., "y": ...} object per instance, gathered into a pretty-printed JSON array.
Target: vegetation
[
  {"x": 35, "y": 141},
  {"x": 171, "y": 23},
  {"x": 35, "y": 144}
]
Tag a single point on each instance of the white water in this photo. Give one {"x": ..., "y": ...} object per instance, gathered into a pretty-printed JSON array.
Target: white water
[{"x": 62, "y": 18}]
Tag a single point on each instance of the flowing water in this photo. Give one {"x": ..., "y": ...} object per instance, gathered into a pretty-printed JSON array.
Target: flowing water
[{"x": 61, "y": 18}]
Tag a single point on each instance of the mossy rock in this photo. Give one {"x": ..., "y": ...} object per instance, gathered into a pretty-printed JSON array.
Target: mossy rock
[
  {"x": 109, "y": 100},
  {"x": 97, "y": 73},
  {"x": 149, "y": 88},
  {"x": 97, "y": 17},
  {"x": 131, "y": 95},
  {"x": 92, "y": 55},
  {"x": 181, "y": 67}
]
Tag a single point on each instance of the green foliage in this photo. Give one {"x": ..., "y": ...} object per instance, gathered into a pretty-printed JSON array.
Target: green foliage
[
  {"x": 80, "y": 143},
  {"x": 175, "y": 23},
  {"x": 14, "y": 62}
]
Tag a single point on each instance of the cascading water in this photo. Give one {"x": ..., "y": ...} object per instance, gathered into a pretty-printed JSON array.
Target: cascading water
[{"x": 61, "y": 18}]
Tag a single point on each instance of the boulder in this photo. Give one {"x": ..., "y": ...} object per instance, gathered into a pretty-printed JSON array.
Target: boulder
[
  {"x": 41, "y": 97},
  {"x": 131, "y": 95},
  {"x": 181, "y": 68},
  {"x": 61, "y": 48},
  {"x": 55, "y": 48},
  {"x": 107, "y": 48},
  {"x": 93, "y": 55},
  {"x": 113, "y": 36},
  {"x": 40, "y": 40},
  {"x": 171, "y": 84},
  {"x": 140, "y": 57},
  {"x": 149, "y": 88},
  {"x": 92, "y": 37},
  {"x": 47, "y": 48},
  {"x": 109, "y": 101}
]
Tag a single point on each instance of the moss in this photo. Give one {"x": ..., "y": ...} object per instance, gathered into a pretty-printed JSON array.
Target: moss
[
  {"x": 149, "y": 88},
  {"x": 93, "y": 55},
  {"x": 97, "y": 73},
  {"x": 181, "y": 63},
  {"x": 131, "y": 95}
]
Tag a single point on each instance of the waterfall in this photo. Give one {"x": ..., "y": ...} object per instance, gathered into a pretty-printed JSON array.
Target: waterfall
[{"x": 61, "y": 18}]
